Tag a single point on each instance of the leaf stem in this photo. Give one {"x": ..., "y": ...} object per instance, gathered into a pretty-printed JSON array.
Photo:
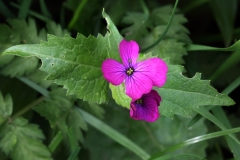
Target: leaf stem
[
  {"x": 27, "y": 108},
  {"x": 164, "y": 33},
  {"x": 77, "y": 14}
]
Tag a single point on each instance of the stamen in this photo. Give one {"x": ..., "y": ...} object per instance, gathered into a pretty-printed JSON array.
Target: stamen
[
  {"x": 130, "y": 71},
  {"x": 139, "y": 101}
]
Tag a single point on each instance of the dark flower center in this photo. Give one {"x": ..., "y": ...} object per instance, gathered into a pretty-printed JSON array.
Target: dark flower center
[
  {"x": 139, "y": 101},
  {"x": 130, "y": 71}
]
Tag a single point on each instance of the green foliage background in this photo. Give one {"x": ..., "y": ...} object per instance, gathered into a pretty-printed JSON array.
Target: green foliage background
[{"x": 55, "y": 104}]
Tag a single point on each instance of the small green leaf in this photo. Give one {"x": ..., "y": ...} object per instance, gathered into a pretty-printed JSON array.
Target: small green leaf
[
  {"x": 6, "y": 106},
  {"x": 181, "y": 94},
  {"x": 23, "y": 141},
  {"x": 119, "y": 95}
]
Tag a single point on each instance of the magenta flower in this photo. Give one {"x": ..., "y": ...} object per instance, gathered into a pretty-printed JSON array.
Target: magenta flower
[
  {"x": 146, "y": 108},
  {"x": 139, "y": 76}
]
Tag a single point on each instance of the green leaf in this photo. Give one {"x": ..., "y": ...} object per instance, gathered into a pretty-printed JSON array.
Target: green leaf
[
  {"x": 5, "y": 60},
  {"x": 181, "y": 94},
  {"x": 20, "y": 66},
  {"x": 119, "y": 95},
  {"x": 25, "y": 5},
  {"x": 76, "y": 63},
  {"x": 23, "y": 141},
  {"x": 21, "y": 32},
  {"x": 55, "y": 29},
  {"x": 8, "y": 37},
  {"x": 27, "y": 31},
  {"x": 62, "y": 115},
  {"x": 138, "y": 26},
  {"x": 148, "y": 32},
  {"x": 38, "y": 77},
  {"x": 6, "y": 106}
]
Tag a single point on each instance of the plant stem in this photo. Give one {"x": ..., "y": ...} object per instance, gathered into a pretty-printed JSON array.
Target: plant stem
[
  {"x": 164, "y": 33},
  {"x": 27, "y": 108}
]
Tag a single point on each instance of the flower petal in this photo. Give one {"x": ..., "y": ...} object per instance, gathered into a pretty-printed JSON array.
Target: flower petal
[
  {"x": 154, "y": 68},
  {"x": 128, "y": 52},
  {"x": 137, "y": 84},
  {"x": 113, "y": 71},
  {"x": 148, "y": 109}
]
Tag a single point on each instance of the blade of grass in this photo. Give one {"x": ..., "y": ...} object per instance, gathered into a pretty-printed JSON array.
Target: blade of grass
[
  {"x": 62, "y": 15},
  {"x": 193, "y": 141},
  {"x": 5, "y": 11},
  {"x": 44, "y": 9},
  {"x": 77, "y": 14},
  {"x": 234, "y": 147},
  {"x": 231, "y": 61},
  {"x": 36, "y": 87},
  {"x": 115, "y": 135},
  {"x": 169, "y": 156},
  {"x": 145, "y": 10},
  {"x": 197, "y": 47},
  {"x": 193, "y": 4},
  {"x": 24, "y": 8},
  {"x": 74, "y": 154},
  {"x": 205, "y": 113},
  {"x": 55, "y": 141},
  {"x": 165, "y": 31},
  {"x": 225, "y": 13},
  {"x": 34, "y": 14}
]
